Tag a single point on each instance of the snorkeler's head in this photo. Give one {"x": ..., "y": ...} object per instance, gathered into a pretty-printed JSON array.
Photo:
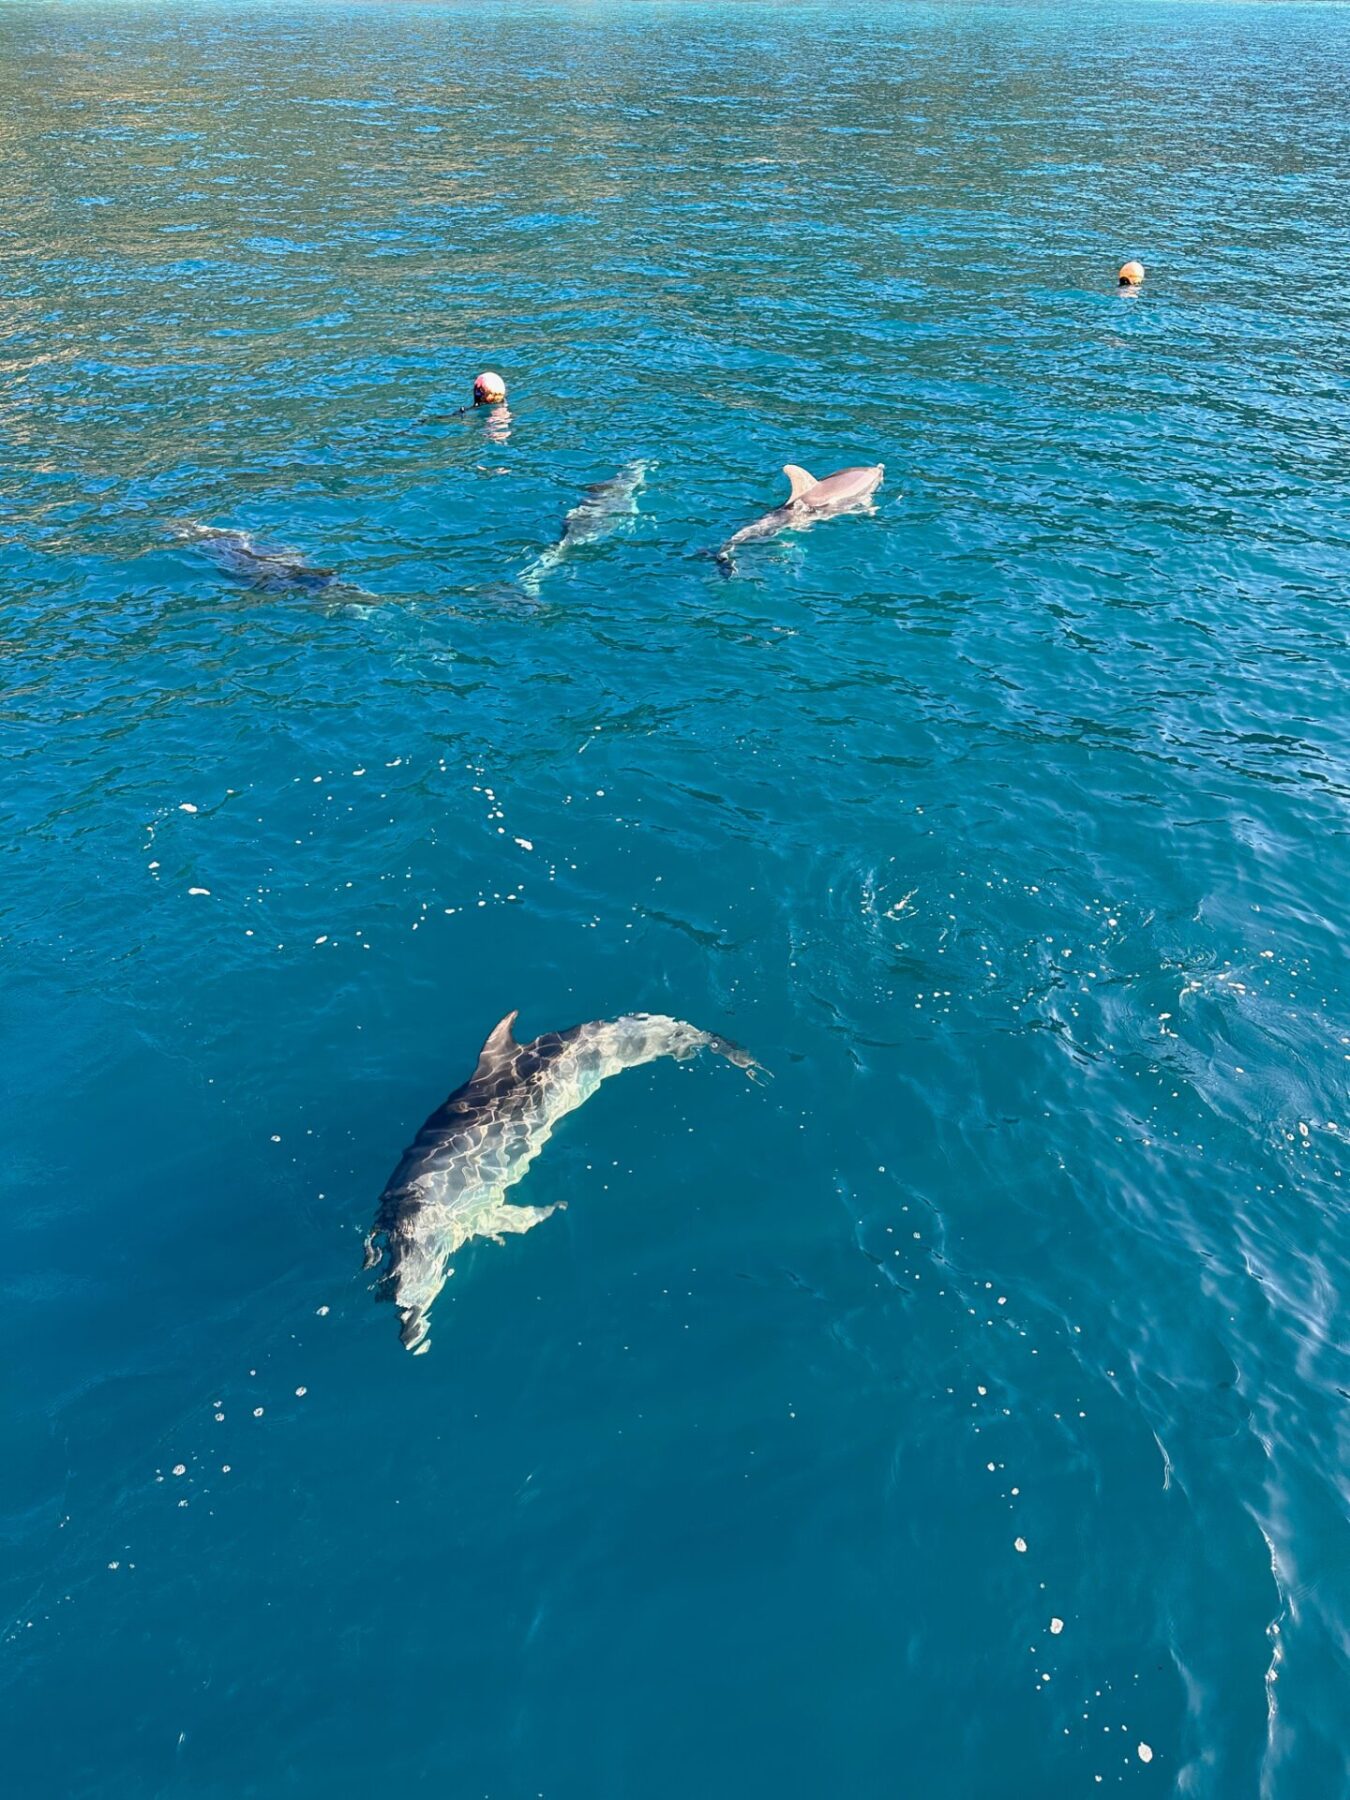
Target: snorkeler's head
[
  {"x": 488, "y": 389},
  {"x": 1131, "y": 274}
]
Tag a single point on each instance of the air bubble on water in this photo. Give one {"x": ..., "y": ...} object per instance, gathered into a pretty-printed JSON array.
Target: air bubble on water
[
  {"x": 1145, "y": 1753},
  {"x": 323, "y": 1312},
  {"x": 1056, "y": 1626},
  {"x": 300, "y": 1392},
  {"x": 186, "y": 806},
  {"x": 199, "y": 891},
  {"x": 257, "y": 1412},
  {"x": 180, "y": 1468},
  {"x": 1020, "y": 1545}
]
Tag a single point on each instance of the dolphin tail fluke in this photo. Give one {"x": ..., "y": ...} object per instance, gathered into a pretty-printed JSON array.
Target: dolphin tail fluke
[{"x": 799, "y": 479}]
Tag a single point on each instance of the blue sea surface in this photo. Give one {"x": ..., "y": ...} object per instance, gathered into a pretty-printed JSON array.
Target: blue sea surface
[{"x": 967, "y": 1413}]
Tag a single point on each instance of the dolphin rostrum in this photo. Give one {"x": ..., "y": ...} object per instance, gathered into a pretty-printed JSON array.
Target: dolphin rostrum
[
  {"x": 590, "y": 519},
  {"x": 237, "y": 554},
  {"x": 848, "y": 490},
  {"x": 451, "y": 1184}
]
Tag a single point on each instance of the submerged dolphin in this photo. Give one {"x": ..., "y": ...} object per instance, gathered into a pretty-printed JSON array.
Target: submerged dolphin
[
  {"x": 237, "y": 554},
  {"x": 590, "y": 520},
  {"x": 451, "y": 1184},
  {"x": 848, "y": 490}
]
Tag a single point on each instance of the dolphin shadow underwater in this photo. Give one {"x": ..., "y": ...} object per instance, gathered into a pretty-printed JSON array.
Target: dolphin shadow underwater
[
  {"x": 271, "y": 570},
  {"x": 452, "y": 1182},
  {"x": 846, "y": 491}
]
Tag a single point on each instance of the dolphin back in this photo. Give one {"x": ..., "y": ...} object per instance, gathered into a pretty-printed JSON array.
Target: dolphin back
[{"x": 846, "y": 487}]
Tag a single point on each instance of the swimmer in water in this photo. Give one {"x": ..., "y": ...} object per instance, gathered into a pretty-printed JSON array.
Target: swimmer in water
[{"x": 489, "y": 390}]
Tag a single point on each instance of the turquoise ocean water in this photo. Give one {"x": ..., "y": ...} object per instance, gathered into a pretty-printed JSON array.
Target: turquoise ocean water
[{"x": 965, "y": 1414}]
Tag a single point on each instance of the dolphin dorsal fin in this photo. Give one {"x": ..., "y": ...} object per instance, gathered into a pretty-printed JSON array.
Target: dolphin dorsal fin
[
  {"x": 800, "y": 480},
  {"x": 500, "y": 1047}
]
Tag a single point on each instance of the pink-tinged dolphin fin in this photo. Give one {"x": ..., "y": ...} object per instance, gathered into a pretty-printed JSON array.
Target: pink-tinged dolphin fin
[{"x": 800, "y": 480}]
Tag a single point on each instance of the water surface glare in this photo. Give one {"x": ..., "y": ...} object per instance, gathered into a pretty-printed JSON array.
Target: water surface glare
[{"x": 965, "y": 1414}]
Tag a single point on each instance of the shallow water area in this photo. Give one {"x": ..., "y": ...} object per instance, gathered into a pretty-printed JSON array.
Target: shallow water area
[{"x": 964, "y": 1413}]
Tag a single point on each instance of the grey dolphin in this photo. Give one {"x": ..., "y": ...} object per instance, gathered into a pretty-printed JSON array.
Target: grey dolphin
[
  {"x": 847, "y": 490},
  {"x": 451, "y": 1184},
  {"x": 237, "y": 554},
  {"x": 591, "y": 519}
]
